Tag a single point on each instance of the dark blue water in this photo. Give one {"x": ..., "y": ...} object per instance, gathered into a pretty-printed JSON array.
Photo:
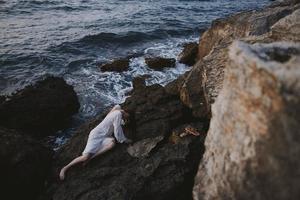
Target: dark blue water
[{"x": 69, "y": 38}]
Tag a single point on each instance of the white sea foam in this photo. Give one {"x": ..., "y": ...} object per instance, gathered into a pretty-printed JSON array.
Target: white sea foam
[{"x": 98, "y": 90}]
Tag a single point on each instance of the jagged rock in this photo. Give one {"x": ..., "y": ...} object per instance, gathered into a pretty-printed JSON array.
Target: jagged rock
[
  {"x": 166, "y": 172},
  {"x": 206, "y": 77},
  {"x": 189, "y": 53},
  {"x": 158, "y": 63},
  {"x": 253, "y": 144},
  {"x": 25, "y": 165},
  {"x": 139, "y": 83},
  {"x": 40, "y": 109},
  {"x": 242, "y": 25},
  {"x": 143, "y": 147},
  {"x": 174, "y": 86},
  {"x": 192, "y": 93},
  {"x": 118, "y": 65},
  {"x": 288, "y": 28}
]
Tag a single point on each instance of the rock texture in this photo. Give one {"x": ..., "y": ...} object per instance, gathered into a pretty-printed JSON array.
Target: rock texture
[
  {"x": 189, "y": 53},
  {"x": 288, "y": 28},
  {"x": 25, "y": 165},
  {"x": 253, "y": 143},
  {"x": 158, "y": 169},
  {"x": 143, "y": 147},
  {"x": 159, "y": 63},
  {"x": 118, "y": 65},
  {"x": 199, "y": 88},
  {"x": 40, "y": 109},
  {"x": 244, "y": 24}
]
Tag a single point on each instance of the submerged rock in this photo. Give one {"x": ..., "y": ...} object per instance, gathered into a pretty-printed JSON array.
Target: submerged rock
[
  {"x": 159, "y": 63},
  {"x": 40, "y": 109},
  {"x": 118, "y": 65},
  {"x": 189, "y": 53},
  {"x": 25, "y": 165},
  {"x": 252, "y": 147}
]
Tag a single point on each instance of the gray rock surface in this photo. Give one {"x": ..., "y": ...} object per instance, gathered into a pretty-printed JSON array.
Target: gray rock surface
[
  {"x": 253, "y": 144},
  {"x": 287, "y": 28},
  {"x": 143, "y": 147}
]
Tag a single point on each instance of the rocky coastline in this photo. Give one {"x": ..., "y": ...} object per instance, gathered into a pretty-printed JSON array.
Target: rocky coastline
[{"x": 241, "y": 95}]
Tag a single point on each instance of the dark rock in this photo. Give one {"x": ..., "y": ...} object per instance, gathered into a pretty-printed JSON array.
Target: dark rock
[
  {"x": 165, "y": 172},
  {"x": 139, "y": 83},
  {"x": 40, "y": 109},
  {"x": 174, "y": 86},
  {"x": 118, "y": 65},
  {"x": 189, "y": 53},
  {"x": 158, "y": 63},
  {"x": 25, "y": 165}
]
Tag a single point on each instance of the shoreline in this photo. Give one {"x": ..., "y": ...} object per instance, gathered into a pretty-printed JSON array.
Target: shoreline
[{"x": 241, "y": 95}]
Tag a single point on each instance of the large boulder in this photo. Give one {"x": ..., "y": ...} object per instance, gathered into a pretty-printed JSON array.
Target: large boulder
[
  {"x": 25, "y": 165},
  {"x": 159, "y": 63},
  {"x": 154, "y": 168},
  {"x": 253, "y": 144},
  {"x": 40, "y": 109},
  {"x": 118, "y": 65},
  {"x": 189, "y": 53}
]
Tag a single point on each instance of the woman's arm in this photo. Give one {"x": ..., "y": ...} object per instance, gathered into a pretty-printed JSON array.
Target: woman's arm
[
  {"x": 118, "y": 131},
  {"x": 116, "y": 107}
]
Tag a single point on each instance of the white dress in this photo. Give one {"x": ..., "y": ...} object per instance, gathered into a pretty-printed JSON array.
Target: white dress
[{"x": 103, "y": 132}]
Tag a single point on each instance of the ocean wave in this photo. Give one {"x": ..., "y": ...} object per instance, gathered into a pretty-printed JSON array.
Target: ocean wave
[{"x": 131, "y": 37}]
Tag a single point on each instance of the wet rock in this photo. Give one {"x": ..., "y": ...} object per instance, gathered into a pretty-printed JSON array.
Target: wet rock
[
  {"x": 252, "y": 147},
  {"x": 25, "y": 165},
  {"x": 40, "y": 109},
  {"x": 158, "y": 63},
  {"x": 143, "y": 147},
  {"x": 189, "y": 53},
  {"x": 118, "y": 65},
  {"x": 139, "y": 83}
]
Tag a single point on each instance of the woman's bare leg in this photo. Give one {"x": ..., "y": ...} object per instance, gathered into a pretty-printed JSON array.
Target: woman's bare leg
[
  {"x": 77, "y": 160},
  {"x": 109, "y": 144}
]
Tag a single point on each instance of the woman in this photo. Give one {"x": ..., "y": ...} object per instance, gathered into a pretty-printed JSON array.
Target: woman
[{"x": 100, "y": 138}]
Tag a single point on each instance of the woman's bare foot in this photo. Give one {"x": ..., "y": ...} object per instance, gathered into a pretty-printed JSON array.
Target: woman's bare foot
[{"x": 62, "y": 174}]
